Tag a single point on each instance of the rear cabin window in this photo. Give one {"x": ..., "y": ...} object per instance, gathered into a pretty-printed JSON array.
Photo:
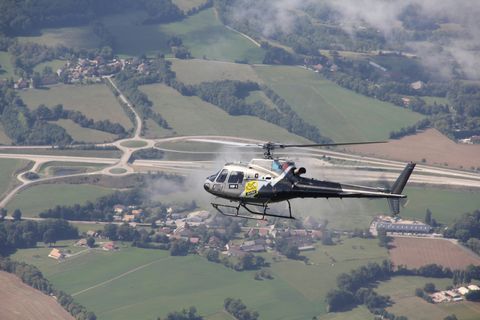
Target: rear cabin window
[
  {"x": 222, "y": 176},
  {"x": 236, "y": 177}
]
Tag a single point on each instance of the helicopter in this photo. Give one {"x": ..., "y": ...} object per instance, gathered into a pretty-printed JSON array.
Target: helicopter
[{"x": 254, "y": 185}]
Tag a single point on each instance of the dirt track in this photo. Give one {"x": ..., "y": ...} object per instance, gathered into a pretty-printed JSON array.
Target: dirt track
[
  {"x": 417, "y": 252},
  {"x": 431, "y": 145},
  {"x": 19, "y": 301}
]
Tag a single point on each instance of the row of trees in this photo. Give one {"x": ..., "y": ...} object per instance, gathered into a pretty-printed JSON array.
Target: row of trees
[
  {"x": 26, "y": 234},
  {"x": 101, "y": 209},
  {"x": 239, "y": 310},
  {"x": 43, "y": 113},
  {"x": 33, "y": 277}
]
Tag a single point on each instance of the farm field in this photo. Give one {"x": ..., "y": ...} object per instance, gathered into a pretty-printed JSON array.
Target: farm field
[
  {"x": 54, "y": 64},
  {"x": 4, "y": 139},
  {"x": 415, "y": 253},
  {"x": 99, "y": 280},
  {"x": 203, "y": 35},
  {"x": 195, "y": 71},
  {"x": 35, "y": 199},
  {"x": 87, "y": 135},
  {"x": 186, "y": 5},
  {"x": 340, "y": 114},
  {"x": 7, "y": 169},
  {"x": 94, "y": 101},
  {"x": 6, "y": 66},
  {"x": 74, "y": 37},
  {"x": 192, "y": 116},
  {"x": 402, "y": 291},
  {"x": 20, "y": 301},
  {"x": 429, "y": 145}
]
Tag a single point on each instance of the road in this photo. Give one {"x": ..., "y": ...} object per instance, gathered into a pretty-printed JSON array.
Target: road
[{"x": 355, "y": 169}]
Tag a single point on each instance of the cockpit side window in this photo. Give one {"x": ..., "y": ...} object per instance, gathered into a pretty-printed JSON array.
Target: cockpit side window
[
  {"x": 277, "y": 166},
  {"x": 222, "y": 176},
  {"x": 236, "y": 177}
]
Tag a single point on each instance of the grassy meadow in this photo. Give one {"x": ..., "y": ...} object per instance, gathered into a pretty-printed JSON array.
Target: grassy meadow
[
  {"x": 340, "y": 114},
  {"x": 8, "y": 167},
  {"x": 6, "y": 66},
  {"x": 158, "y": 283},
  {"x": 35, "y": 199},
  {"x": 74, "y": 37},
  {"x": 402, "y": 292},
  {"x": 87, "y": 135},
  {"x": 196, "y": 71},
  {"x": 94, "y": 101},
  {"x": 192, "y": 116}
]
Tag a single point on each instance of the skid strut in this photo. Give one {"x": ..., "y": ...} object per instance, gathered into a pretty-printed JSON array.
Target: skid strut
[{"x": 255, "y": 215}]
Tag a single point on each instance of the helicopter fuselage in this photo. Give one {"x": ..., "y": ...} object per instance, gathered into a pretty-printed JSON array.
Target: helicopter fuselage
[{"x": 264, "y": 181}]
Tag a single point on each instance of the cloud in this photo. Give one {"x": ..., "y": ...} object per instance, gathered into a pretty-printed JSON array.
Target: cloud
[{"x": 270, "y": 17}]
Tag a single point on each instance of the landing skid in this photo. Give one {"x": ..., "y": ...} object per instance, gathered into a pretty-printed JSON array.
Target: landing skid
[{"x": 255, "y": 215}]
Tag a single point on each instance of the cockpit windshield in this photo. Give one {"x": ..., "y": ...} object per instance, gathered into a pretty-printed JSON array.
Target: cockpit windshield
[{"x": 213, "y": 176}]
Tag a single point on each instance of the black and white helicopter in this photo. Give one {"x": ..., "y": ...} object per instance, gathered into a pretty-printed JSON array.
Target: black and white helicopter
[{"x": 261, "y": 182}]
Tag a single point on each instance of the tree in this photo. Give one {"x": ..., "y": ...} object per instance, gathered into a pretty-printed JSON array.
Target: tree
[
  {"x": 110, "y": 231},
  {"x": 383, "y": 238},
  {"x": 17, "y": 215},
  {"x": 49, "y": 237},
  {"x": 450, "y": 317},
  {"x": 428, "y": 217},
  {"x": 212, "y": 255},
  {"x": 3, "y": 214},
  {"x": 429, "y": 287},
  {"x": 90, "y": 242},
  {"x": 179, "y": 248}
]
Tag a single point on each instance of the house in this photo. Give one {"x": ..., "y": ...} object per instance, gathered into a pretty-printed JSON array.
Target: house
[
  {"x": 406, "y": 101},
  {"x": 463, "y": 291},
  {"x": 91, "y": 233},
  {"x": 81, "y": 243},
  {"x": 109, "y": 246},
  {"x": 235, "y": 251},
  {"x": 417, "y": 85},
  {"x": 137, "y": 212},
  {"x": 21, "y": 84},
  {"x": 56, "y": 254},
  {"x": 473, "y": 287},
  {"x": 118, "y": 208},
  {"x": 318, "y": 67},
  {"x": 194, "y": 240},
  {"x": 215, "y": 242},
  {"x": 128, "y": 218}
]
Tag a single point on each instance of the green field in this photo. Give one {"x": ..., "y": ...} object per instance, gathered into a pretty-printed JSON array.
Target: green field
[
  {"x": 55, "y": 168},
  {"x": 87, "y": 135},
  {"x": 94, "y": 101},
  {"x": 196, "y": 71},
  {"x": 54, "y": 64},
  {"x": 203, "y": 34},
  {"x": 35, "y": 199},
  {"x": 186, "y": 5},
  {"x": 133, "y": 144},
  {"x": 8, "y": 167},
  {"x": 160, "y": 283},
  {"x": 402, "y": 292},
  {"x": 6, "y": 66},
  {"x": 192, "y": 116},
  {"x": 74, "y": 37},
  {"x": 340, "y": 114}
]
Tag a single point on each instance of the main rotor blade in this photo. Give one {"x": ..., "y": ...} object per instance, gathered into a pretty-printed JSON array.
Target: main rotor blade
[
  {"x": 326, "y": 144},
  {"x": 228, "y": 143}
]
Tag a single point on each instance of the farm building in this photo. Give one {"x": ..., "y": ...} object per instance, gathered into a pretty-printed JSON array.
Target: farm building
[
  {"x": 56, "y": 254},
  {"x": 109, "y": 246},
  {"x": 390, "y": 224},
  {"x": 473, "y": 287},
  {"x": 463, "y": 291}
]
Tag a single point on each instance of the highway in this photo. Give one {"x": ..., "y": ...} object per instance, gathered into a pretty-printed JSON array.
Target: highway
[{"x": 352, "y": 169}]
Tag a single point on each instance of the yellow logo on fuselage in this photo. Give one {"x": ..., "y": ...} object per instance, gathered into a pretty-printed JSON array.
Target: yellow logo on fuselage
[{"x": 251, "y": 188}]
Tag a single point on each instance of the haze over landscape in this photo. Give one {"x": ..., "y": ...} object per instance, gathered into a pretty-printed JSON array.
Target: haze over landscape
[{"x": 113, "y": 113}]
